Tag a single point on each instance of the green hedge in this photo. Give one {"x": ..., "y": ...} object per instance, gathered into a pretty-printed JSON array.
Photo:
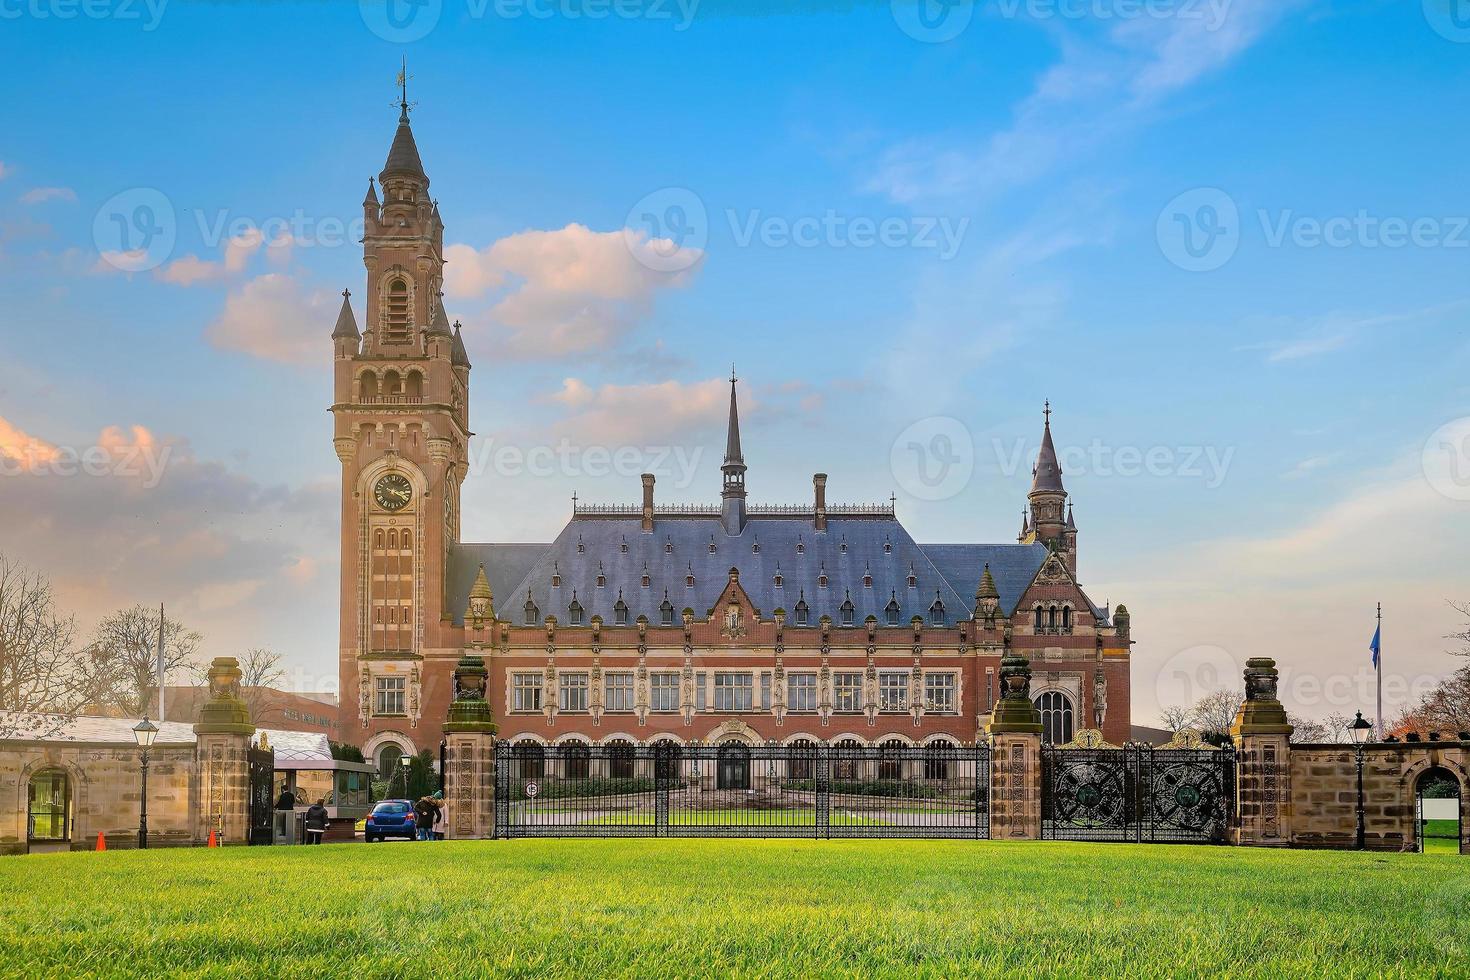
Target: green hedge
[
  {"x": 555, "y": 789},
  {"x": 896, "y": 788}
]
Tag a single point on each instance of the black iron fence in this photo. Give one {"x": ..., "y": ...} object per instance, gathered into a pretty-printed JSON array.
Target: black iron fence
[
  {"x": 738, "y": 790},
  {"x": 1137, "y": 793}
]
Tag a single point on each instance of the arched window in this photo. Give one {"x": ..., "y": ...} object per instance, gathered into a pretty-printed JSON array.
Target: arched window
[
  {"x": 620, "y": 613},
  {"x": 414, "y": 388},
  {"x": 620, "y": 759},
  {"x": 1051, "y": 617},
  {"x": 367, "y": 383},
  {"x": 574, "y": 613},
  {"x": 1066, "y": 617},
  {"x": 530, "y": 759},
  {"x": 392, "y": 540},
  {"x": 847, "y": 612},
  {"x": 397, "y": 315},
  {"x": 387, "y": 759},
  {"x": 890, "y": 759},
  {"x": 533, "y": 615},
  {"x": 576, "y": 760},
  {"x": 1038, "y": 617},
  {"x": 378, "y": 539},
  {"x": 802, "y": 611},
  {"x": 802, "y": 755},
  {"x": 405, "y": 540},
  {"x": 666, "y": 613},
  {"x": 891, "y": 611},
  {"x": 49, "y": 807},
  {"x": 392, "y": 383},
  {"x": 846, "y": 756},
  {"x": 936, "y": 612},
  {"x": 777, "y": 581},
  {"x": 1056, "y": 717},
  {"x": 666, "y": 756},
  {"x": 937, "y": 756},
  {"x": 822, "y": 578}
]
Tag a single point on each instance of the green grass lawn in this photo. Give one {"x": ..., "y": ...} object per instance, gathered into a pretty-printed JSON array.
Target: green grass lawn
[
  {"x": 662, "y": 908},
  {"x": 1441, "y": 837}
]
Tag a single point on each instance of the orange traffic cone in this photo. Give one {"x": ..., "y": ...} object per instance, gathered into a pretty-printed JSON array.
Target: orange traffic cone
[
  {"x": 213, "y": 842},
  {"x": 101, "y": 842}
]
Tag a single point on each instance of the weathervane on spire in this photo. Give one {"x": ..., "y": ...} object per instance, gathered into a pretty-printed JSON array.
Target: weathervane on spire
[
  {"x": 403, "y": 77},
  {"x": 1046, "y": 411},
  {"x": 733, "y": 379}
]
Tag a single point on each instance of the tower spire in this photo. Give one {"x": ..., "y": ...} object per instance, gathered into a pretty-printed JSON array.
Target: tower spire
[{"x": 732, "y": 506}]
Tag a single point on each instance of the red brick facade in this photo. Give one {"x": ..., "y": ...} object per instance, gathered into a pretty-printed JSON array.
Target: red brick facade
[{"x": 761, "y": 615}]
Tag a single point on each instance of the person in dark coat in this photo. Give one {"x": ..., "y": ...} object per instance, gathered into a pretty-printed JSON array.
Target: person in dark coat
[
  {"x": 316, "y": 821},
  {"x": 286, "y": 801},
  {"x": 424, "y": 812}
]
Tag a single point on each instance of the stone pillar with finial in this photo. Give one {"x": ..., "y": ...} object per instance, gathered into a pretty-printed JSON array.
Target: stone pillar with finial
[
  {"x": 1262, "y": 736},
  {"x": 222, "y": 741},
  {"x": 469, "y": 739},
  {"x": 1015, "y": 755}
]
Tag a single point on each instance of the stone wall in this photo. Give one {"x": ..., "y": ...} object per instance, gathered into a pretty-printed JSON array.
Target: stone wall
[
  {"x": 104, "y": 785},
  {"x": 1324, "y": 792}
]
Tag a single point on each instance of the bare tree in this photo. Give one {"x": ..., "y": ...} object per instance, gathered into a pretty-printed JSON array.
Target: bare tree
[
  {"x": 124, "y": 657},
  {"x": 1462, "y": 636},
  {"x": 38, "y": 666},
  {"x": 1176, "y": 717},
  {"x": 1447, "y": 707},
  {"x": 1307, "y": 730},
  {"x": 1216, "y": 712}
]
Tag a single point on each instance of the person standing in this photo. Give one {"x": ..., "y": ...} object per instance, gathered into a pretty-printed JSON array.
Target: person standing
[
  {"x": 316, "y": 821},
  {"x": 423, "y": 813},
  {"x": 440, "y": 822}
]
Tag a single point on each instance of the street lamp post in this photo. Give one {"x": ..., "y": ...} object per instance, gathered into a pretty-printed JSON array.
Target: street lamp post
[
  {"x": 145, "y": 732},
  {"x": 1359, "y": 730},
  {"x": 406, "y": 764}
]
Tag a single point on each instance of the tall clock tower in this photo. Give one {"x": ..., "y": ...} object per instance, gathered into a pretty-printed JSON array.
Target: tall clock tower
[{"x": 400, "y": 408}]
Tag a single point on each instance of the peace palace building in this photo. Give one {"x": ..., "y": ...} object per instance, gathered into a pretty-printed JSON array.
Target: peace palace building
[{"x": 642, "y": 622}]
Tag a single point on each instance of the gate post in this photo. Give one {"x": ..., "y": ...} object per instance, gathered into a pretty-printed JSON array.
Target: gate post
[
  {"x": 222, "y": 743},
  {"x": 1015, "y": 756},
  {"x": 1262, "y": 737},
  {"x": 469, "y": 736}
]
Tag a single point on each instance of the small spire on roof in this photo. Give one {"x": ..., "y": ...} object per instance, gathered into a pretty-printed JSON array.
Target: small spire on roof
[
  {"x": 346, "y": 328},
  {"x": 372, "y": 194},
  {"x": 457, "y": 354},
  {"x": 987, "y": 589},
  {"x": 481, "y": 588}
]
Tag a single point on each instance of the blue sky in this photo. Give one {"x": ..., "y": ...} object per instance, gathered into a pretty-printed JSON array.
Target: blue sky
[{"x": 1253, "y": 449}]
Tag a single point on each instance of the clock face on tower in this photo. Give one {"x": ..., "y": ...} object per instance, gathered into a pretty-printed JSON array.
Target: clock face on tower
[{"x": 393, "y": 491}]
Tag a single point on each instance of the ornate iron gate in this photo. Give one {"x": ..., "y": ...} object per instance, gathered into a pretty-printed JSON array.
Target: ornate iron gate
[
  {"x": 739, "y": 790},
  {"x": 1137, "y": 793},
  {"x": 262, "y": 764}
]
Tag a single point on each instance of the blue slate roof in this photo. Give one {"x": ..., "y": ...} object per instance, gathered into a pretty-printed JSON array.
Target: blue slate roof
[{"x": 851, "y": 547}]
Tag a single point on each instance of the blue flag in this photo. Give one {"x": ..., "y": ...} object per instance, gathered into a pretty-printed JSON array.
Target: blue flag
[{"x": 1374, "y": 645}]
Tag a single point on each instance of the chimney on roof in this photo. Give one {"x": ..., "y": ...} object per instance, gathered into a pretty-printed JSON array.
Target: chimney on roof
[
  {"x": 647, "y": 503},
  {"x": 819, "y": 501}
]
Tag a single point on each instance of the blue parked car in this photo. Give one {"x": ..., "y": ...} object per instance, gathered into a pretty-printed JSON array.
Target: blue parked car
[{"x": 390, "y": 818}]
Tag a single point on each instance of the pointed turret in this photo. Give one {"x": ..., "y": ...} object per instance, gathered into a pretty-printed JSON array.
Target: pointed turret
[
  {"x": 482, "y": 600},
  {"x": 346, "y": 340},
  {"x": 1046, "y": 475},
  {"x": 732, "y": 496},
  {"x": 371, "y": 199},
  {"x": 457, "y": 354},
  {"x": 439, "y": 321},
  {"x": 987, "y": 589},
  {"x": 403, "y": 155},
  {"x": 1025, "y": 527}
]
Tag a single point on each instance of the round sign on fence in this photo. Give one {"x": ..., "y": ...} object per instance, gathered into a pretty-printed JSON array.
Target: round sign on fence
[{"x": 532, "y": 789}]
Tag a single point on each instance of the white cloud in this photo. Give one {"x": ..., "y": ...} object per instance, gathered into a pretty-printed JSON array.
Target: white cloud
[
  {"x": 567, "y": 291},
  {"x": 189, "y": 270},
  {"x": 6, "y": 169},
  {"x": 40, "y": 195},
  {"x": 1075, "y": 105},
  {"x": 275, "y": 318},
  {"x": 1305, "y": 595},
  {"x": 644, "y": 414}
]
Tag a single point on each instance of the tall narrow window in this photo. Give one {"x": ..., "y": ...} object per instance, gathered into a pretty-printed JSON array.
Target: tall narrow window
[
  {"x": 620, "y": 613},
  {"x": 802, "y": 611},
  {"x": 891, "y": 611},
  {"x": 1056, "y": 717},
  {"x": 574, "y": 692},
  {"x": 397, "y": 315},
  {"x": 666, "y": 613}
]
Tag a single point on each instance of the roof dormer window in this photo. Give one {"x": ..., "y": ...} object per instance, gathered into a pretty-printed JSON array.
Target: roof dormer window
[
  {"x": 666, "y": 613},
  {"x": 620, "y": 612},
  {"x": 891, "y": 611},
  {"x": 847, "y": 611},
  {"x": 802, "y": 611},
  {"x": 533, "y": 615}
]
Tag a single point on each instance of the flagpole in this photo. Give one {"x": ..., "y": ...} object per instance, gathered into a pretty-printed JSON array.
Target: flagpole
[
  {"x": 160, "y": 662},
  {"x": 1378, "y": 664}
]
